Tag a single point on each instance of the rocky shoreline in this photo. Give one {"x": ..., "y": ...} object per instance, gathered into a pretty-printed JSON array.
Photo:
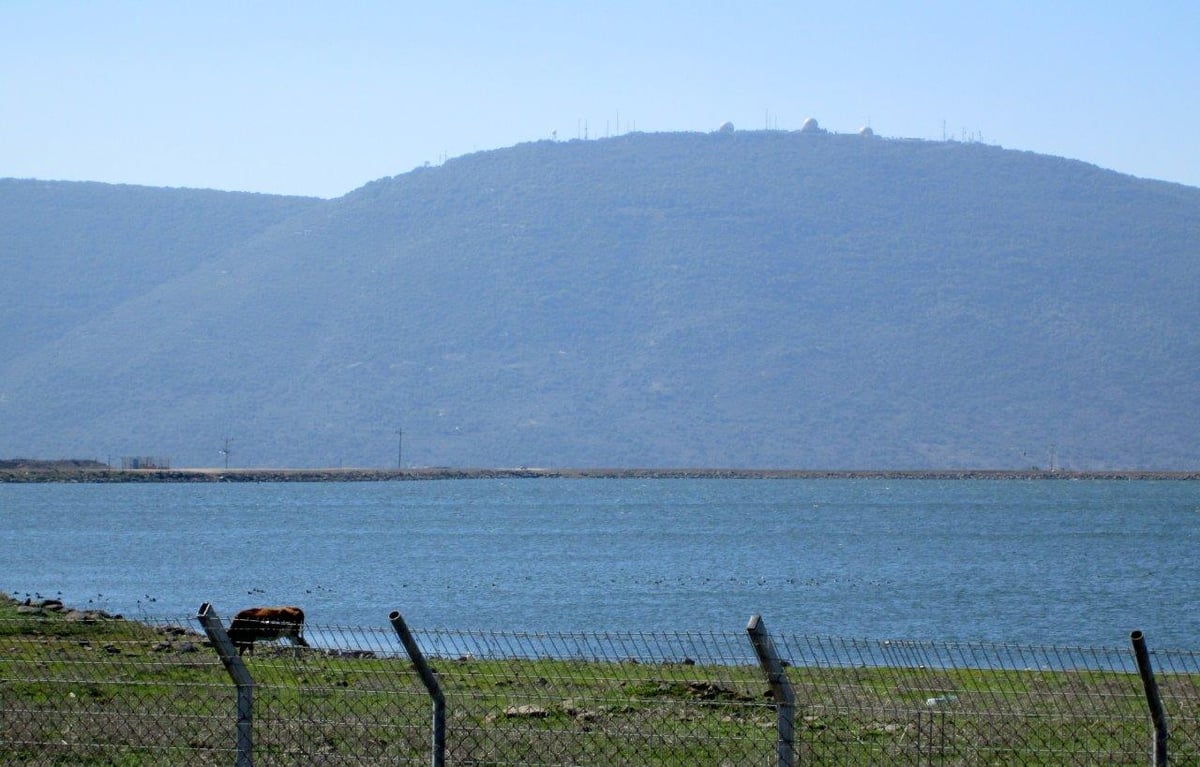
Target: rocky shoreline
[
  {"x": 95, "y": 472},
  {"x": 52, "y": 612},
  {"x": 45, "y": 606}
]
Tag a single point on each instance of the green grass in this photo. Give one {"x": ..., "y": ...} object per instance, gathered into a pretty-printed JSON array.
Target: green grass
[{"x": 115, "y": 692}]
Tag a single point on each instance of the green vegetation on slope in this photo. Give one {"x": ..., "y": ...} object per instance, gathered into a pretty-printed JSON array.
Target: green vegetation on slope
[
  {"x": 761, "y": 299},
  {"x": 73, "y": 252}
]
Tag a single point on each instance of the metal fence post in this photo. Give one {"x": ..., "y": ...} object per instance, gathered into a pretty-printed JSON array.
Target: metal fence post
[
  {"x": 781, "y": 689},
  {"x": 1158, "y": 716},
  {"x": 431, "y": 684},
  {"x": 241, "y": 678}
]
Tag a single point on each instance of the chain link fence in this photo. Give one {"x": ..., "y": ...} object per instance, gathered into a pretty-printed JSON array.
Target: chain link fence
[
  {"x": 84, "y": 689},
  {"x": 918, "y": 703}
]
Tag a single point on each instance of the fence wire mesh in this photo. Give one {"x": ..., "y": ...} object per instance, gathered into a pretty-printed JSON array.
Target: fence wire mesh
[
  {"x": 80, "y": 689},
  {"x": 919, "y": 703},
  {"x": 1178, "y": 677},
  {"x": 351, "y": 698},
  {"x": 90, "y": 690},
  {"x": 602, "y": 699}
]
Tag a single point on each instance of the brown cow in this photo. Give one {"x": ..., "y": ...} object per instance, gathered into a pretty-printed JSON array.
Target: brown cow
[{"x": 255, "y": 623}]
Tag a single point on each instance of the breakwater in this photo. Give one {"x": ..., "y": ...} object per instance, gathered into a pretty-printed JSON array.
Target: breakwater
[{"x": 81, "y": 471}]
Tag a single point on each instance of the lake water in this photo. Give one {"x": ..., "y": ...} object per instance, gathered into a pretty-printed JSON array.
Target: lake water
[{"x": 1031, "y": 562}]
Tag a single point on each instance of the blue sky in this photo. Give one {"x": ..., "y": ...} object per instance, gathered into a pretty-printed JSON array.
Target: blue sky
[{"x": 318, "y": 99}]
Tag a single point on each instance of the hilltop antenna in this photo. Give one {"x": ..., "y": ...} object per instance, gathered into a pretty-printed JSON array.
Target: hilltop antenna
[{"x": 225, "y": 451}]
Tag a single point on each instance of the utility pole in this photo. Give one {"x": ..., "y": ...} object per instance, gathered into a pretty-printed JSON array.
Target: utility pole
[{"x": 399, "y": 448}]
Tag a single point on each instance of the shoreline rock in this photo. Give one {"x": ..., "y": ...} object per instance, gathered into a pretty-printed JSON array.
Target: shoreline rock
[{"x": 52, "y": 471}]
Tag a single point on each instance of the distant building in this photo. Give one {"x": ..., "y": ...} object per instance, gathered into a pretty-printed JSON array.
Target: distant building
[
  {"x": 134, "y": 462},
  {"x": 810, "y": 126}
]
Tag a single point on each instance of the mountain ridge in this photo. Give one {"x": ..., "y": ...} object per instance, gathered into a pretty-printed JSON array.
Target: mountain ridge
[
  {"x": 756, "y": 299},
  {"x": 49, "y": 232}
]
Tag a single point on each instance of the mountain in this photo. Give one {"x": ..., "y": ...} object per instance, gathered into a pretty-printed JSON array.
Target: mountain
[
  {"x": 74, "y": 251},
  {"x": 749, "y": 299}
]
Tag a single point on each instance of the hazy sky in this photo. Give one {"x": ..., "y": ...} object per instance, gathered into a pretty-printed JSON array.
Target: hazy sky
[{"x": 319, "y": 98}]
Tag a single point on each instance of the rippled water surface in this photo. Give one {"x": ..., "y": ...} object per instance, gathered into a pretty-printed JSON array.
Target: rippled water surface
[{"x": 1043, "y": 562}]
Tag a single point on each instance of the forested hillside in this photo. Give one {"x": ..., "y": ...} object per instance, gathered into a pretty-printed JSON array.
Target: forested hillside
[
  {"x": 751, "y": 299},
  {"x": 75, "y": 251}
]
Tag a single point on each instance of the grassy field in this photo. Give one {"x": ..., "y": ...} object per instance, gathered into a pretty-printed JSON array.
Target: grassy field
[{"x": 88, "y": 689}]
